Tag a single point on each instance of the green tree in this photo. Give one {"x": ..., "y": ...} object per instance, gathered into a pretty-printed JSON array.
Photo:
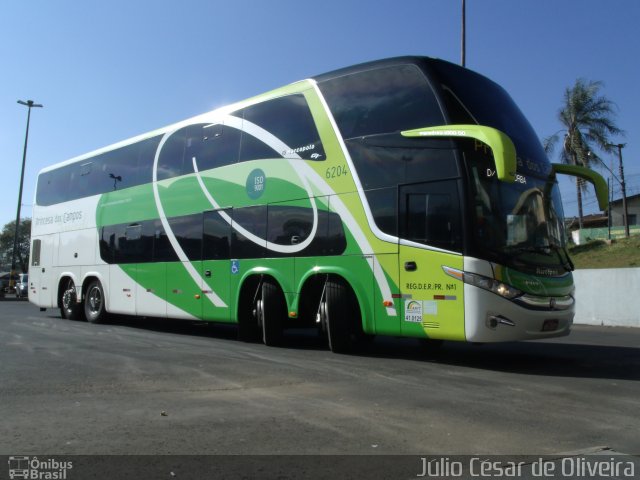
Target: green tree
[
  {"x": 24, "y": 241},
  {"x": 588, "y": 120}
]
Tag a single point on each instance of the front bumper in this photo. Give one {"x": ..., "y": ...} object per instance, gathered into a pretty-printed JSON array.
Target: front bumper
[{"x": 491, "y": 318}]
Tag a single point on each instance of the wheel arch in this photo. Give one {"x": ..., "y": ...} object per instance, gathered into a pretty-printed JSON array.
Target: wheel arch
[
  {"x": 248, "y": 285},
  {"x": 90, "y": 277},
  {"x": 311, "y": 286},
  {"x": 64, "y": 277},
  {"x": 87, "y": 278}
]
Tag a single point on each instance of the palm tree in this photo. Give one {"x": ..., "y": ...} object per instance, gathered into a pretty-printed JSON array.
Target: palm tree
[{"x": 587, "y": 118}]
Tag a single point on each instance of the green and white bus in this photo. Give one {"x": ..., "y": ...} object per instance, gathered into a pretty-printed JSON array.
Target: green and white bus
[{"x": 406, "y": 197}]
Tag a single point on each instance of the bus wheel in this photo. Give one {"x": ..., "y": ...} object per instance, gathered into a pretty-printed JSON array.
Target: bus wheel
[
  {"x": 69, "y": 306},
  {"x": 337, "y": 315},
  {"x": 94, "y": 303},
  {"x": 248, "y": 322},
  {"x": 271, "y": 310}
]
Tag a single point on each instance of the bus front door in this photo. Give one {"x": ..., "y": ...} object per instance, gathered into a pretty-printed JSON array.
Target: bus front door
[{"x": 430, "y": 232}]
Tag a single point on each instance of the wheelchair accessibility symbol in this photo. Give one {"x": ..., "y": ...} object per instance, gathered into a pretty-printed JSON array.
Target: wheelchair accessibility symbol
[{"x": 235, "y": 267}]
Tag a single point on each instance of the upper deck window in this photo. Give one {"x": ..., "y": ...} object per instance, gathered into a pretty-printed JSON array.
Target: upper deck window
[
  {"x": 471, "y": 98},
  {"x": 288, "y": 119},
  {"x": 382, "y": 100},
  {"x": 282, "y": 127},
  {"x": 117, "y": 169}
]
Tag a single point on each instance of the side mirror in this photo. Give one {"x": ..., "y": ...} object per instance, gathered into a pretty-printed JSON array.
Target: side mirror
[
  {"x": 602, "y": 190},
  {"x": 504, "y": 152}
]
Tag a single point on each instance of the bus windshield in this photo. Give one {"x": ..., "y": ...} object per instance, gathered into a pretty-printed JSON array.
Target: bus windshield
[
  {"x": 517, "y": 224},
  {"x": 470, "y": 98}
]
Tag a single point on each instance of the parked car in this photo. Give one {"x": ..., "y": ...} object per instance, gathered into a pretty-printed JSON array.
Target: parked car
[{"x": 22, "y": 286}]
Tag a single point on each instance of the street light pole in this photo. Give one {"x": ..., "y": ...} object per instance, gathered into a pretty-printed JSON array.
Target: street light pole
[
  {"x": 29, "y": 104},
  {"x": 610, "y": 193},
  {"x": 463, "y": 54},
  {"x": 620, "y": 146},
  {"x": 620, "y": 180},
  {"x": 624, "y": 192}
]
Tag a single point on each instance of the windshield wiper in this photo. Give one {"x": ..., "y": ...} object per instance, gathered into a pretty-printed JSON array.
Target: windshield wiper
[
  {"x": 567, "y": 264},
  {"x": 546, "y": 249},
  {"x": 565, "y": 261}
]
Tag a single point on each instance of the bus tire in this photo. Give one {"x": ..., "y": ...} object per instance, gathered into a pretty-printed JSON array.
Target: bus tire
[
  {"x": 94, "y": 303},
  {"x": 248, "y": 330},
  {"x": 69, "y": 306},
  {"x": 337, "y": 313},
  {"x": 271, "y": 310},
  {"x": 248, "y": 322}
]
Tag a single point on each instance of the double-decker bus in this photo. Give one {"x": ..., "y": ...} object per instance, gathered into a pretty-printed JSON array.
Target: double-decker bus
[{"x": 406, "y": 197}]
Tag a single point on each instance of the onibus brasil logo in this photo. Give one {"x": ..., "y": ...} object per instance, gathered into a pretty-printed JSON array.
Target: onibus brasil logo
[{"x": 32, "y": 468}]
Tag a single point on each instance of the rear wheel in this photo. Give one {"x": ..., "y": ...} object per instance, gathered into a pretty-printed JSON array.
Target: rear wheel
[
  {"x": 248, "y": 322},
  {"x": 69, "y": 306},
  {"x": 271, "y": 310},
  {"x": 340, "y": 316},
  {"x": 94, "y": 303}
]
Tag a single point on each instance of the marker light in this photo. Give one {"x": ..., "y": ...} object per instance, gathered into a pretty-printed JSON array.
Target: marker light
[{"x": 486, "y": 283}]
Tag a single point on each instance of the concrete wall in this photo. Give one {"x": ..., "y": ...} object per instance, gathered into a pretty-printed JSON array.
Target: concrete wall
[
  {"x": 608, "y": 297},
  {"x": 580, "y": 237}
]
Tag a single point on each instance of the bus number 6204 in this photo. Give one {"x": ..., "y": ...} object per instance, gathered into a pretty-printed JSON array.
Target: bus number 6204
[{"x": 334, "y": 172}]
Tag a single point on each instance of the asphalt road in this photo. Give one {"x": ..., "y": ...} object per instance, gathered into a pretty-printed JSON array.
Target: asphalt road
[{"x": 147, "y": 387}]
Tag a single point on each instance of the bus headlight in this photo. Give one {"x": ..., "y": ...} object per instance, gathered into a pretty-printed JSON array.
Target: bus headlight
[{"x": 486, "y": 283}]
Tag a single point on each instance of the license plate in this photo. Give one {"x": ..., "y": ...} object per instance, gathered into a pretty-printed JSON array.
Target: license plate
[{"x": 550, "y": 325}]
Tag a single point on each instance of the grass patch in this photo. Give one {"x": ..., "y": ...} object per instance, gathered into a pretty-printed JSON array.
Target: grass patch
[{"x": 621, "y": 253}]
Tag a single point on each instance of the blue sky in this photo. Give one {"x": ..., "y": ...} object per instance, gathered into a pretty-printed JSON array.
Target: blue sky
[{"x": 106, "y": 71}]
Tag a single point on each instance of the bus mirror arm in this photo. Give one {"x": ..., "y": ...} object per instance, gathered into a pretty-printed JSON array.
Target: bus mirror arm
[
  {"x": 600, "y": 185},
  {"x": 504, "y": 152}
]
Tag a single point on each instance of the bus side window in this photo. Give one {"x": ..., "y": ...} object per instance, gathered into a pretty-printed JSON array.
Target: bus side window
[
  {"x": 429, "y": 218},
  {"x": 254, "y": 221},
  {"x": 212, "y": 146},
  {"x": 146, "y": 158},
  {"x": 252, "y": 148},
  {"x": 53, "y": 186},
  {"x": 130, "y": 245},
  {"x": 170, "y": 161},
  {"x": 289, "y": 120},
  {"x": 35, "y": 253},
  {"x": 216, "y": 236},
  {"x": 289, "y": 223},
  {"x": 430, "y": 214},
  {"x": 188, "y": 231}
]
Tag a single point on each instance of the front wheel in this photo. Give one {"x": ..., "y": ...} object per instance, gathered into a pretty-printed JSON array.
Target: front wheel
[{"x": 94, "y": 303}]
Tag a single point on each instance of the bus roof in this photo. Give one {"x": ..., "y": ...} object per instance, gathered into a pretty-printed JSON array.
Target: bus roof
[{"x": 403, "y": 60}]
